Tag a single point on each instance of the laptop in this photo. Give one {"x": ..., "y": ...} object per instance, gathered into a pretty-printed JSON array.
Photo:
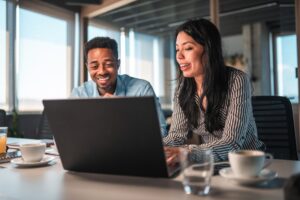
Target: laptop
[{"x": 119, "y": 135}]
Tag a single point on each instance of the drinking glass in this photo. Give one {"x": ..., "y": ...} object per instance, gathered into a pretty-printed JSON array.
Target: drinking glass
[
  {"x": 3, "y": 139},
  {"x": 197, "y": 169}
]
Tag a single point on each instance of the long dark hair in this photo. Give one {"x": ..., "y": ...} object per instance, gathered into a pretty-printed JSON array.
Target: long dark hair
[{"x": 215, "y": 82}]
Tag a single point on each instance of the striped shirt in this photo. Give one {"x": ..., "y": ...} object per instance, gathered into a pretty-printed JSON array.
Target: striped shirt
[{"x": 236, "y": 115}]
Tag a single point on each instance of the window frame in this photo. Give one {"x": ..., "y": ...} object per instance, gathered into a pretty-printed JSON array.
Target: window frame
[
  {"x": 55, "y": 12},
  {"x": 274, "y": 36},
  {"x": 5, "y": 104}
]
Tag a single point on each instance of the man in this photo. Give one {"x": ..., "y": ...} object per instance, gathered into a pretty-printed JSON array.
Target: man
[{"x": 101, "y": 58}]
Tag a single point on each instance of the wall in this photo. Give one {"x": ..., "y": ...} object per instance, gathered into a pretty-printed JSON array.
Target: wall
[
  {"x": 257, "y": 57},
  {"x": 232, "y": 45}
]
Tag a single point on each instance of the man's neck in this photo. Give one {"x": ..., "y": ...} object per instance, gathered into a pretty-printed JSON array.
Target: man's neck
[{"x": 107, "y": 91}]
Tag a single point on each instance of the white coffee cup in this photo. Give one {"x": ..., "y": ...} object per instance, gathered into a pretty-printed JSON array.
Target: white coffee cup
[
  {"x": 33, "y": 152},
  {"x": 248, "y": 163}
]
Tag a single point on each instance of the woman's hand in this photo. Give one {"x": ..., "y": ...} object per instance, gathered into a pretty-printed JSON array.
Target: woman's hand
[{"x": 172, "y": 155}]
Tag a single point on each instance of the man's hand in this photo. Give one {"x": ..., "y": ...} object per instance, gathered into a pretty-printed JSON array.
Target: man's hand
[{"x": 108, "y": 95}]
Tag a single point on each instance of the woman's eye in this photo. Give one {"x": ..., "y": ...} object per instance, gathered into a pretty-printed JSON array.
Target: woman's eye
[{"x": 188, "y": 48}]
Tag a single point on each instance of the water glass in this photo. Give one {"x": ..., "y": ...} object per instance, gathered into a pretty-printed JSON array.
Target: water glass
[
  {"x": 3, "y": 139},
  {"x": 197, "y": 169}
]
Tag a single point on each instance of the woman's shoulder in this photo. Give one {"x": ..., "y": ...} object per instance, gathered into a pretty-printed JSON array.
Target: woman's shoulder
[
  {"x": 236, "y": 74},
  {"x": 234, "y": 71}
]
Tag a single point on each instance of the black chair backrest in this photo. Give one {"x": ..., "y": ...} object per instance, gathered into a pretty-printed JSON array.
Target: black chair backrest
[
  {"x": 43, "y": 130},
  {"x": 167, "y": 115},
  {"x": 3, "y": 118},
  {"x": 275, "y": 126}
]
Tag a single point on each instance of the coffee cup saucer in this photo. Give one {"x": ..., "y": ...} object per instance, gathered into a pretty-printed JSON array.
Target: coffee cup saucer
[
  {"x": 21, "y": 163},
  {"x": 264, "y": 175}
]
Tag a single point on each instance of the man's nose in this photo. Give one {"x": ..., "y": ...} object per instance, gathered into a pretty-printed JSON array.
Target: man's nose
[{"x": 101, "y": 69}]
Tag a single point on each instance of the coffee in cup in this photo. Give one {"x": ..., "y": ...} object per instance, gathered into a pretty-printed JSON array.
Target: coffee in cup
[
  {"x": 248, "y": 163},
  {"x": 3, "y": 139},
  {"x": 33, "y": 152}
]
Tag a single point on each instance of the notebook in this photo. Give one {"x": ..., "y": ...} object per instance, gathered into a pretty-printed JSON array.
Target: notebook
[{"x": 119, "y": 135}]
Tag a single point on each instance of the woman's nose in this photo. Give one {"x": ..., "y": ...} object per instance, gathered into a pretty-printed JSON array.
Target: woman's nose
[{"x": 179, "y": 55}]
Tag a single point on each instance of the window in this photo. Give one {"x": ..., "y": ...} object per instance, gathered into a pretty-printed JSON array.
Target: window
[
  {"x": 142, "y": 57},
  {"x": 140, "y": 54},
  {"x": 44, "y": 54},
  {"x": 146, "y": 60},
  {"x": 286, "y": 63},
  {"x": 98, "y": 31},
  {"x": 101, "y": 29},
  {"x": 3, "y": 54}
]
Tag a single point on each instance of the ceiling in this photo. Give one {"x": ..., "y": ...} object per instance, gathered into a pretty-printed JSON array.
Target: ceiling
[
  {"x": 73, "y": 5},
  {"x": 160, "y": 17}
]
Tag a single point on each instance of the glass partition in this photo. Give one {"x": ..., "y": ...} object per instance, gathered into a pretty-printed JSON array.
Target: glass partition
[{"x": 3, "y": 57}]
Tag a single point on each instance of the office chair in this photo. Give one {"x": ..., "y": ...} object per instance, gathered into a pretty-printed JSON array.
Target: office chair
[
  {"x": 3, "y": 118},
  {"x": 275, "y": 126},
  {"x": 167, "y": 114},
  {"x": 43, "y": 130}
]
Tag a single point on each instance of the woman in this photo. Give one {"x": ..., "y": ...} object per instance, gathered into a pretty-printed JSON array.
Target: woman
[{"x": 211, "y": 100}]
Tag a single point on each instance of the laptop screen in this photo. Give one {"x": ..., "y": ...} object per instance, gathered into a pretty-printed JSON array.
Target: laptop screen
[{"x": 108, "y": 135}]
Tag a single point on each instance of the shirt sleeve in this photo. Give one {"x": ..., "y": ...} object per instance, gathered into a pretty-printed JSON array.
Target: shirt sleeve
[
  {"x": 179, "y": 126},
  {"x": 163, "y": 126},
  {"x": 236, "y": 123},
  {"x": 74, "y": 93}
]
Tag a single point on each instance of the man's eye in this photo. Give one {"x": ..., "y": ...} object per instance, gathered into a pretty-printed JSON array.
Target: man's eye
[
  {"x": 93, "y": 66},
  {"x": 109, "y": 64}
]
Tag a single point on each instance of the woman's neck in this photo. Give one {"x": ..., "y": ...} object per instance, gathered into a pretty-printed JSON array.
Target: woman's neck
[{"x": 199, "y": 81}]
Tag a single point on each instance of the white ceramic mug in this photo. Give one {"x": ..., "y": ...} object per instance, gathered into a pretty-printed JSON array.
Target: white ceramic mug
[
  {"x": 33, "y": 152},
  {"x": 248, "y": 163}
]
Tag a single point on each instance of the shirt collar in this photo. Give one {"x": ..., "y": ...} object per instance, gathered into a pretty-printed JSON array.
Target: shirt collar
[{"x": 119, "y": 91}]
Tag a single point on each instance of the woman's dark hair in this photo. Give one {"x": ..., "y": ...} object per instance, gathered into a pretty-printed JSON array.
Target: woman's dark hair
[
  {"x": 101, "y": 42},
  {"x": 215, "y": 83}
]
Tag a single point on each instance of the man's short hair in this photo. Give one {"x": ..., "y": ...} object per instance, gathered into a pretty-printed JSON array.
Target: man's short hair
[{"x": 101, "y": 42}]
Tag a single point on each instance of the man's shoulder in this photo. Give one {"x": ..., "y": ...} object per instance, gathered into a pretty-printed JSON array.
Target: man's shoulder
[
  {"x": 129, "y": 80},
  {"x": 85, "y": 85},
  {"x": 135, "y": 86},
  {"x": 85, "y": 89}
]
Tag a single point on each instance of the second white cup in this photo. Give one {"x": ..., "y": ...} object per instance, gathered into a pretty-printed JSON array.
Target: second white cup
[
  {"x": 33, "y": 152},
  {"x": 248, "y": 163}
]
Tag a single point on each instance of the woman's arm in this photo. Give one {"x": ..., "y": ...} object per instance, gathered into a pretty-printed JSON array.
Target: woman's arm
[
  {"x": 237, "y": 121},
  {"x": 179, "y": 127}
]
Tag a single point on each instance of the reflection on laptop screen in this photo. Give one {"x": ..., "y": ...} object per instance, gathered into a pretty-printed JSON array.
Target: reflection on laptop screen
[{"x": 108, "y": 135}]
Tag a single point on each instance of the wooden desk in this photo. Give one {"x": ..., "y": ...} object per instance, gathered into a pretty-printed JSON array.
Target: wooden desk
[{"x": 53, "y": 182}]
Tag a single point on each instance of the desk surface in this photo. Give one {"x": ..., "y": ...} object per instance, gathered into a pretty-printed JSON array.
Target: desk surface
[{"x": 53, "y": 182}]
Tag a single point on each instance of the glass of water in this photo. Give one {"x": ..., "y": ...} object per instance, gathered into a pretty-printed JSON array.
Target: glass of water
[{"x": 197, "y": 170}]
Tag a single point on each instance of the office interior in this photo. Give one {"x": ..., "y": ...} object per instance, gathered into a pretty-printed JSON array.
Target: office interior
[{"x": 41, "y": 45}]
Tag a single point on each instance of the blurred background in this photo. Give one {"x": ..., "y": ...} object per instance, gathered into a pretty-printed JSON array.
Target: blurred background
[{"x": 41, "y": 47}]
